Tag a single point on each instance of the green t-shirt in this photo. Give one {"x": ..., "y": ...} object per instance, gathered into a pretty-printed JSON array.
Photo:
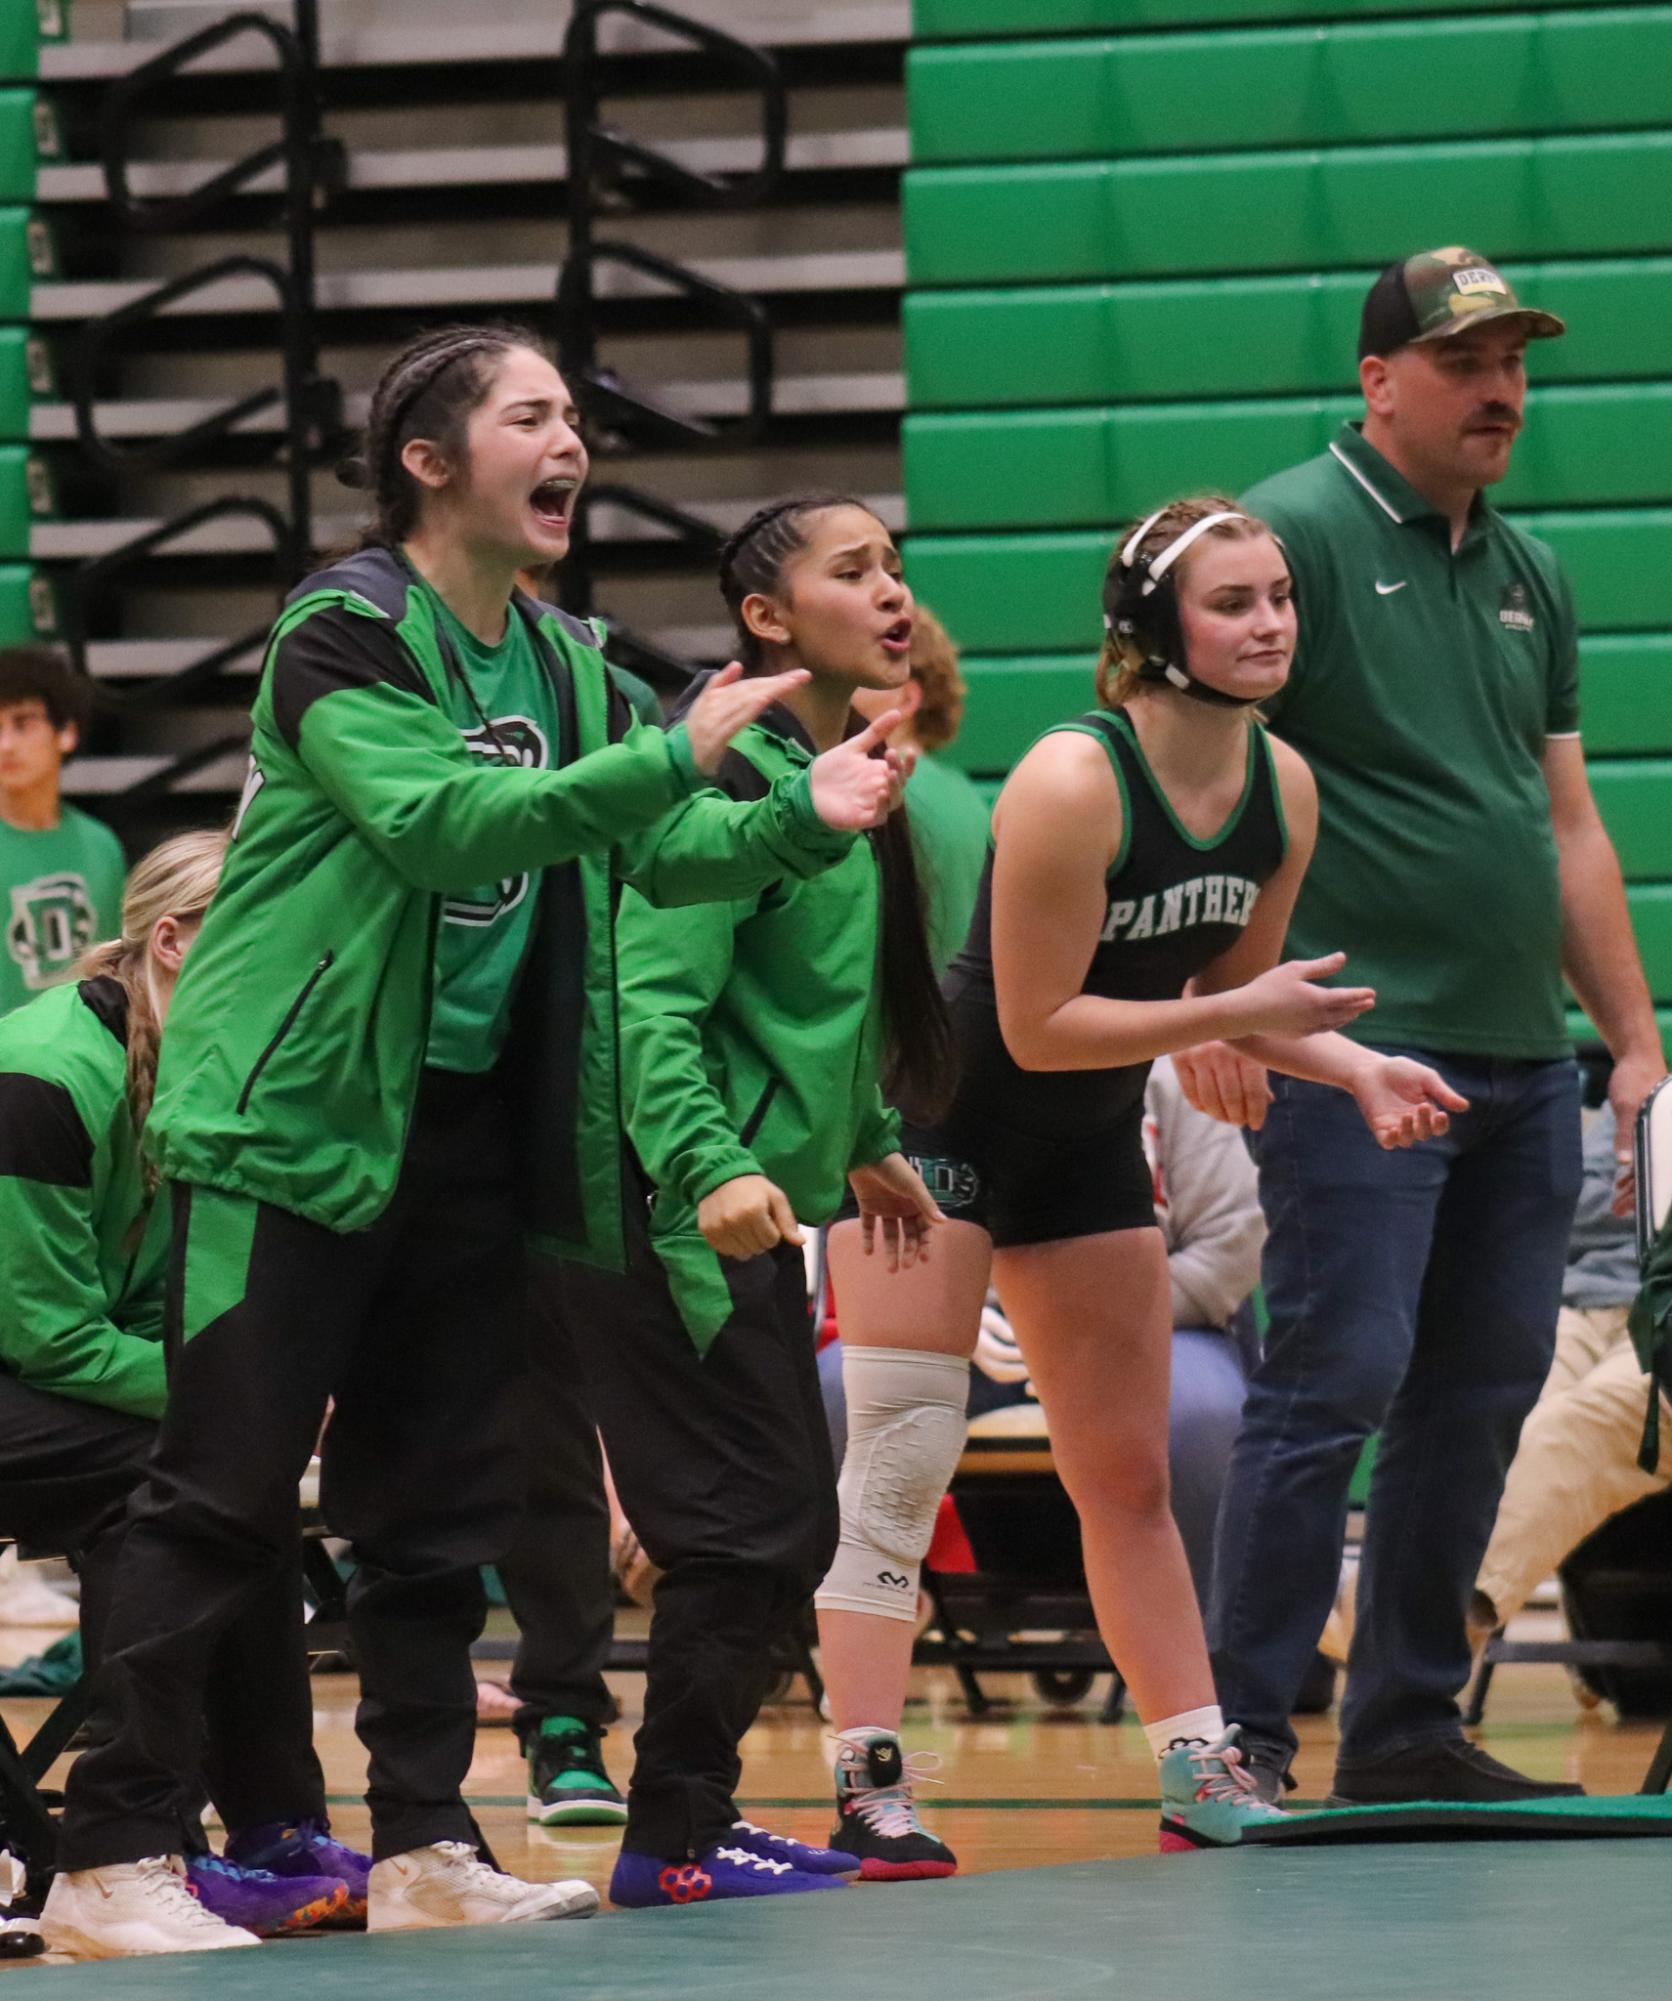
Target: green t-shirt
[
  {"x": 62, "y": 891},
  {"x": 950, "y": 825},
  {"x": 484, "y": 933},
  {"x": 1425, "y": 687}
]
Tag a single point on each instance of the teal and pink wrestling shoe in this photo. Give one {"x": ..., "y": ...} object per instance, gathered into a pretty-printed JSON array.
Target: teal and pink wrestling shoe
[
  {"x": 1208, "y": 1795},
  {"x": 798, "y": 1854},
  {"x": 720, "y": 1872},
  {"x": 255, "y": 1900},
  {"x": 301, "y": 1849}
]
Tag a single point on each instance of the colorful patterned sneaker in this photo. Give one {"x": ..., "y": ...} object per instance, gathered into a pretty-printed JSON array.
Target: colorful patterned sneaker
[
  {"x": 876, "y": 1817},
  {"x": 260, "y": 1902},
  {"x": 784, "y": 1848},
  {"x": 305, "y": 1848},
  {"x": 131, "y": 1907},
  {"x": 641, "y": 1881},
  {"x": 567, "y": 1783},
  {"x": 448, "y": 1883},
  {"x": 1208, "y": 1795}
]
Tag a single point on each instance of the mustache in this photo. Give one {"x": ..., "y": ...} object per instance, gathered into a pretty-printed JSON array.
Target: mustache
[{"x": 1497, "y": 413}]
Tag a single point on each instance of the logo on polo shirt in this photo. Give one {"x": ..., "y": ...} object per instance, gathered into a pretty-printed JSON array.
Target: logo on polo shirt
[{"x": 1513, "y": 613}]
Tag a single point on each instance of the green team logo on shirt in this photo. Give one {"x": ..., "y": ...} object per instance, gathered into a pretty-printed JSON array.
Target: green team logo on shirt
[
  {"x": 507, "y": 740},
  {"x": 1513, "y": 612},
  {"x": 49, "y": 926},
  {"x": 1205, "y": 899}
]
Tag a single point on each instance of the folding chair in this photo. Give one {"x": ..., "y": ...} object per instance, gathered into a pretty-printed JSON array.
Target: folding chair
[{"x": 1025, "y": 1609}]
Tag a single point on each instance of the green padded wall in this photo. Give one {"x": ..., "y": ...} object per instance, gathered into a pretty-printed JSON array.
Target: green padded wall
[
  {"x": 1605, "y": 70},
  {"x": 972, "y": 19},
  {"x": 1138, "y": 234}
]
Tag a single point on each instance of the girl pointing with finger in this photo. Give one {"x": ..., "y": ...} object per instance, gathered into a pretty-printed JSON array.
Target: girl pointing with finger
[
  {"x": 391, "y": 1054},
  {"x": 755, "y": 1037}
]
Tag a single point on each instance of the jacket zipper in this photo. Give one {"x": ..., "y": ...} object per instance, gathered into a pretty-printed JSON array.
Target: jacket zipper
[
  {"x": 758, "y": 1115},
  {"x": 284, "y": 1028}
]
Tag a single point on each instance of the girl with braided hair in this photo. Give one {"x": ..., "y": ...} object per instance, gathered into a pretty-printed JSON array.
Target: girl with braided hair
[
  {"x": 755, "y": 1038},
  {"x": 391, "y": 1060}
]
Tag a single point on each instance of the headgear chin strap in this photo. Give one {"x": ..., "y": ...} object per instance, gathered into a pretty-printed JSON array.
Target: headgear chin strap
[{"x": 1140, "y": 602}]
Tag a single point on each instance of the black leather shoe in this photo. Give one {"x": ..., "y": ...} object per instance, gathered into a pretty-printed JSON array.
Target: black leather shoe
[{"x": 1450, "y": 1768}]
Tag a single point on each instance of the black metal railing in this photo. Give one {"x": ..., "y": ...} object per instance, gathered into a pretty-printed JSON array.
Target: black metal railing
[
  {"x": 309, "y": 169},
  {"x": 609, "y": 170}
]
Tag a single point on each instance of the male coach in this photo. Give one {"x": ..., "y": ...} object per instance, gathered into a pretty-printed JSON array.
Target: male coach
[{"x": 1462, "y": 866}]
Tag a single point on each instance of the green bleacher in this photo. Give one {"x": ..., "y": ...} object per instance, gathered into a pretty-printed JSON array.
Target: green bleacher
[
  {"x": 26, "y": 606},
  {"x": 1138, "y": 233}
]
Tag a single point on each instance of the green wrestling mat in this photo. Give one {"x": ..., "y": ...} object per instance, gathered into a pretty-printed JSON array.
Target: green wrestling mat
[
  {"x": 1629, "y": 1816},
  {"x": 1508, "y": 1923}
]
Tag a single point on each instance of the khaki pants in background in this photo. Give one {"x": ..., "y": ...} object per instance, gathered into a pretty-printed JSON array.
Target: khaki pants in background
[{"x": 1577, "y": 1461}]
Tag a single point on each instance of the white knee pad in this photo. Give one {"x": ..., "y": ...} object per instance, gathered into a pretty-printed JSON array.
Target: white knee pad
[{"x": 905, "y": 1431}]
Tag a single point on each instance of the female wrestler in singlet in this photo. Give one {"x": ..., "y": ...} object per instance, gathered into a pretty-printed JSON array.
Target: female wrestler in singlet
[{"x": 1153, "y": 845}]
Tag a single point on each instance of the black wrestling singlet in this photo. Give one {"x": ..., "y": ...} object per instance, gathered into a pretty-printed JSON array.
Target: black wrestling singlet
[{"x": 1174, "y": 905}]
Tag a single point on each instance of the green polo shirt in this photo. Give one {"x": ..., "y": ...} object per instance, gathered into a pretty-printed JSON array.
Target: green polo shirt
[{"x": 1425, "y": 687}]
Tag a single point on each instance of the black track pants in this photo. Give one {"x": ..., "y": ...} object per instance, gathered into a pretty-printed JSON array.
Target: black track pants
[
  {"x": 557, "y": 1574},
  {"x": 414, "y": 1327},
  {"x": 724, "y": 1467}
]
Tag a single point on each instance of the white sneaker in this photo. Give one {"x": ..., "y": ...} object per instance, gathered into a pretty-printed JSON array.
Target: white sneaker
[
  {"x": 448, "y": 1883},
  {"x": 131, "y": 1907}
]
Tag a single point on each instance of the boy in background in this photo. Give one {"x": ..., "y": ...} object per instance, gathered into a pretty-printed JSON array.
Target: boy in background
[{"x": 61, "y": 871}]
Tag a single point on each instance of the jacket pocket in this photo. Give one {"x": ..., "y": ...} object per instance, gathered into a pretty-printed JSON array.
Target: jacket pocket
[
  {"x": 284, "y": 1028},
  {"x": 757, "y": 1118}
]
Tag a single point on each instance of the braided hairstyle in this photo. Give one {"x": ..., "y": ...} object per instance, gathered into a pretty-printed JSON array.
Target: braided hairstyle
[
  {"x": 919, "y": 1053},
  {"x": 428, "y": 390},
  {"x": 174, "y": 880}
]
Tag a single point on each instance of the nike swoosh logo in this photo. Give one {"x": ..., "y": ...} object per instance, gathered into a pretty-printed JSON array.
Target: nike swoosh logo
[{"x": 1387, "y": 590}]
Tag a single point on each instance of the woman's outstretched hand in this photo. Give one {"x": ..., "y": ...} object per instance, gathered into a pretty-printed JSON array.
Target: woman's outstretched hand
[
  {"x": 729, "y": 704},
  {"x": 1290, "y": 999},
  {"x": 1404, "y": 1102},
  {"x": 891, "y": 1192}
]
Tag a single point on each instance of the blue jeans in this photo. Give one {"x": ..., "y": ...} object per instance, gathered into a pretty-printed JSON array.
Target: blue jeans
[
  {"x": 1209, "y": 1374},
  {"x": 1411, "y": 1293}
]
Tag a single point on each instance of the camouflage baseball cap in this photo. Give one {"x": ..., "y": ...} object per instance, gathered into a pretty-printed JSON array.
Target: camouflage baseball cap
[{"x": 1439, "y": 293}]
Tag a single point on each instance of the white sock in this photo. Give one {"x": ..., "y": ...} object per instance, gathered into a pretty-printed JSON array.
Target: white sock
[{"x": 1190, "y": 1726}]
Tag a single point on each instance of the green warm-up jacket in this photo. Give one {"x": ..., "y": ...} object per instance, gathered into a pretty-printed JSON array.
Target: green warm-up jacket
[
  {"x": 751, "y": 1038},
  {"x": 83, "y": 1249},
  {"x": 297, "y": 1033}
]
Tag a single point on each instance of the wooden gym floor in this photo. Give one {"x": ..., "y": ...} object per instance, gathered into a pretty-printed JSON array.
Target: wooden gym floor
[{"x": 1022, "y": 1792}]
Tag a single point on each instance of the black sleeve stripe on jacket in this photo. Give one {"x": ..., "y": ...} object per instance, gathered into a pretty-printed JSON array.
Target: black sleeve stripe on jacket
[
  {"x": 108, "y": 999},
  {"x": 373, "y": 574},
  {"x": 332, "y": 650},
  {"x": 42, "y": 1137},
  {"x": 741, "y": 780}
]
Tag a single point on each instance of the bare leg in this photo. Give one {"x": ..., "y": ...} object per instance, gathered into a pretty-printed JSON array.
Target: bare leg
[
  {"x": 1094, "y": 1317},
  {"x": 935, "y": 1308}
]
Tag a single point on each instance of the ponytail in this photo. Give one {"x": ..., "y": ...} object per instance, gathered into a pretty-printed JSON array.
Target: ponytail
[
  {"x": 176, "y": 879},
  {"x": 920, "y": 1064}
]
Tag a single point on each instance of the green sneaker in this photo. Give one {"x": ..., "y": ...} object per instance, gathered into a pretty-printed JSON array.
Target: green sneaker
[
  {"x": 567, "y": 1783},
  {"x": 1208, "y": 1796}
]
